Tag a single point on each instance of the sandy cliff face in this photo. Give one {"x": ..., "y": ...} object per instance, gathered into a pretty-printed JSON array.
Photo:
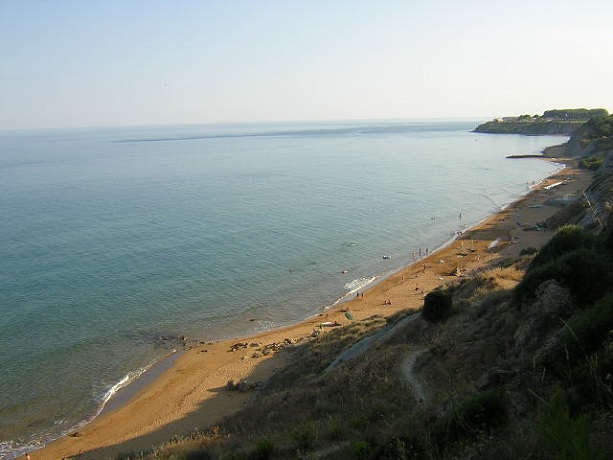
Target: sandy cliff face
[{"x": 579, "y": 147}]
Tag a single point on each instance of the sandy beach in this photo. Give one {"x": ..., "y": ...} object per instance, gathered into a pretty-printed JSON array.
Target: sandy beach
[{"x": 192, "y": 394}]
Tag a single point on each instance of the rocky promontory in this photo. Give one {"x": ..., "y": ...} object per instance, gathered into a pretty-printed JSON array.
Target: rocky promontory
[
  {"x": 552, "y": 122},
  {"x": 532, "y": 127}
]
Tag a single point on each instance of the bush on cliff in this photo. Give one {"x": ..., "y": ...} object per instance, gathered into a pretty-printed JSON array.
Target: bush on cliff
[
  {"x": 586, "y": 272},
  {"x": 597, "y": 127},
  {"x": 568, "y": 238},
  {"x": 437, "y": 305},
  {"x": 470, "y": 418},
  {"x": 593, "y": 162}
]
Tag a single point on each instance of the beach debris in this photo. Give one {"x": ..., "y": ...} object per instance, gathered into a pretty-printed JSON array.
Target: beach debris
[
  {"x": 263, "y": 350},
  {"x": 214, "y": 432},
  {"x": 330, "y": 324},
  {"x": 239, "y": 346},
  {"x": 539, "y": 227},
  {"x": 242, "y": 385},
  {"x": 273, "y": 347},
  {"x": 495, "y": 243},
  {"x": 348, "y": 315},
  {"x": 171, "y": 342}
]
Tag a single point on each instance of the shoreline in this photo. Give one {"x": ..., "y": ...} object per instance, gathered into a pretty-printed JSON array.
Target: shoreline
[{"x": 191, "y": 393}]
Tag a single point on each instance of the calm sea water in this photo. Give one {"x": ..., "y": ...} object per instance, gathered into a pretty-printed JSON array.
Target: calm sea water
[{"x": 110, "y": 239}]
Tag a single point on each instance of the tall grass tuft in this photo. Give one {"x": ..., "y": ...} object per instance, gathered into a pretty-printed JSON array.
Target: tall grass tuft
[
  {"x": 567, "y": 436},
  {"x": 587, "y": 333},
  {"x": 264, "y": 450}
]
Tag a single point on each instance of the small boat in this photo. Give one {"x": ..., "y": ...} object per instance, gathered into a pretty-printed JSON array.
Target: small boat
[{"x": 387, "y": 256}]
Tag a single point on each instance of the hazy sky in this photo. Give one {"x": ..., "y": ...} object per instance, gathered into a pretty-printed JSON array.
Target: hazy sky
[{"x": 138, "y": 62}]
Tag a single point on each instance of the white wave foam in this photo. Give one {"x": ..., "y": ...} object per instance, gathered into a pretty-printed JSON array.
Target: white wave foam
[
  {"x": 10, "y": 450},
  {"x": 124, "y": 382},
  {"x": 263, "y": 325},
  {"x": 360, "y": 283}
]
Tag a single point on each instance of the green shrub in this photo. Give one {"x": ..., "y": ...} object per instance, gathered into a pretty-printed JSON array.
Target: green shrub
[
  {"x": 335, "y": 430},
  {"x": 479, "y": 414},
  {"x": 528, "y": 251},
  {"x": 398, "y": 448},
  {"x": 304, "y": 439},
  {"x": 358, "y": 423},
  {"x": 568, "y": 238},
  {"x": 437, "y": 305},
  {"x": 362, "y": 449},
  {"x": 264, "y": 450},
  {"x": 585, "y": 272},
  {"x": 485, "y": 410},
  {"x": 593, "y": 162},
  {"x": 198, "y": 455},
  {"x": 586, "y": 334}
]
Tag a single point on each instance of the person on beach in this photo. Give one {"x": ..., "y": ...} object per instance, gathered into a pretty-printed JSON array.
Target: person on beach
[{"x": 28, "y": 456}]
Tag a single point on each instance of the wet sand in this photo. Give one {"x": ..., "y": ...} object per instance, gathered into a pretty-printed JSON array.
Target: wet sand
[{"x": 191, "y": 395}]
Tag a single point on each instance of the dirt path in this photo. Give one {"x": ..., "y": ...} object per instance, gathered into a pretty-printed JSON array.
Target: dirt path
[{"x": 408, "y": 369}]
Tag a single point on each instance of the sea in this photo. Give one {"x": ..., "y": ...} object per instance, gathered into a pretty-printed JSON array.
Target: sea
[{"x": 116, "y": 243}]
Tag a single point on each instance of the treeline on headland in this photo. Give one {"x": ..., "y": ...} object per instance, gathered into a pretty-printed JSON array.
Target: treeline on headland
[
  {"x": 555, "y": 121},
  {"x": 573, "y": 114}
]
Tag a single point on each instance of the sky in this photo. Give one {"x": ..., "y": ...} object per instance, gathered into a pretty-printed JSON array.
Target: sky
[{"x": 78, "y": 63}]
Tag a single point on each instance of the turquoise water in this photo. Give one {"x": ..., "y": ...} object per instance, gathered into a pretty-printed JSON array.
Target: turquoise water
[{"x": 113, "y": 238}]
